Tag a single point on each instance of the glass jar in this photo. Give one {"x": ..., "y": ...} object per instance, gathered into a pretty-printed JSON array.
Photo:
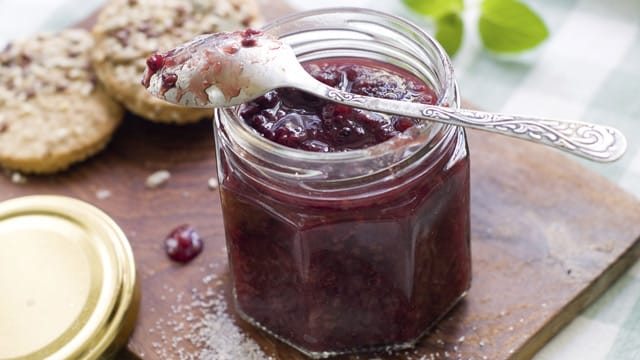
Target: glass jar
[{"x": 349, "y": 251}]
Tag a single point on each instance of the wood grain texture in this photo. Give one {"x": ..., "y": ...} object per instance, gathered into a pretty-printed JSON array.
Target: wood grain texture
[{"x": 548, "y": 236}]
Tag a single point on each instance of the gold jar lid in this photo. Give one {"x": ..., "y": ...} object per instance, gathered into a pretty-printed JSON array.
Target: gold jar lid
[{"x": 68, "y": 286}]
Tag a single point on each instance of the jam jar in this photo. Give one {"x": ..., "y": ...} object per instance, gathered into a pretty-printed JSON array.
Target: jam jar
[{"x": 358, "y": 250}]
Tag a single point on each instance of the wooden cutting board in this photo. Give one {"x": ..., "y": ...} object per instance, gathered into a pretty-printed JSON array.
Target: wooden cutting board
[{"x": 548, "y": 237}]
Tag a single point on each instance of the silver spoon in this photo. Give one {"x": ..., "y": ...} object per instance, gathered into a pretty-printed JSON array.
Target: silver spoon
[{"x": 226, "y": 69}]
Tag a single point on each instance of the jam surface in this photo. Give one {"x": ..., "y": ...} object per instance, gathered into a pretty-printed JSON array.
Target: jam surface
[
  {"x": 295, "y": 119},
  {"x": 343, "y": 275}
]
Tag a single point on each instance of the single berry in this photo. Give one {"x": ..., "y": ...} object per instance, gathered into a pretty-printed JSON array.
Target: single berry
[
  {"x": 155, "y": 62},
  {"x": 183, "y": 243}
]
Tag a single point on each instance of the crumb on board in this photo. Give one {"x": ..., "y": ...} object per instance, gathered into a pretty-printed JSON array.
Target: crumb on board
[
  {"x": 157, "y": 179},
  {"x": 18, "y": 178},
  {"x": 212, "y": 183},
  {"x": 103, "y": 194}
]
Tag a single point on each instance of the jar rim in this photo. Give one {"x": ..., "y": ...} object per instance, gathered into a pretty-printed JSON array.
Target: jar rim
[
  {"x": 448, "y": 80},
  {"x": 247, "y": 136}
]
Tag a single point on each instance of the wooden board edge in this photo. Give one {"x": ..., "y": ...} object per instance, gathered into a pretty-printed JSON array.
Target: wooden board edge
[{"x": 586, "y": 297}]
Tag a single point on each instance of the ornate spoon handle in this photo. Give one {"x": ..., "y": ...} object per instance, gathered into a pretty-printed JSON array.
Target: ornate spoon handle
[{"x": 590, "y": 141}]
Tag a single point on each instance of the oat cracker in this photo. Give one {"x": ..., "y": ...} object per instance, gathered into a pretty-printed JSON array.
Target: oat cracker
[{"x": 53, "y": 112}]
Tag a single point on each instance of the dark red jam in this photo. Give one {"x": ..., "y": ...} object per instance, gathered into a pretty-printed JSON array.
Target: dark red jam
[
  {"x": 299, "y": 120},
  {"x": 358, "y": 272},
  {"x": 154, "y": 62},
  {"x": 228, "y": 43}
]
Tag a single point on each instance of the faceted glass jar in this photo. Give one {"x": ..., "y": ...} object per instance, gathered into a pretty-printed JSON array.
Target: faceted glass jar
[{"x": 349, "y": 251}]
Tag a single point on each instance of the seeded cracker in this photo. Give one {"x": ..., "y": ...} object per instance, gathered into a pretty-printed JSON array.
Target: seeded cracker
[
  {"x": 128, "y": 31},
  {"x": 53, "y": 113}
]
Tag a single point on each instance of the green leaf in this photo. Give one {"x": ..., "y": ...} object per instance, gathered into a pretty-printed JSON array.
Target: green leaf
[
  {"x": 510, "y": 26},
  {"x": 435, "y": 8},
  {"x": 449, "y": 30}
]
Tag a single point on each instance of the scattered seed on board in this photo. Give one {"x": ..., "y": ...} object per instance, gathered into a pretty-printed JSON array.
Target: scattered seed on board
[
  {"x": 103, "y": 194},
  {"x": 18, "y": 178},
  {"x": 212, "y": 183},
  {"x": 157, "y": 179}
]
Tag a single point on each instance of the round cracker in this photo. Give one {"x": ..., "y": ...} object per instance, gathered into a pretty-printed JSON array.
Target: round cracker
[
  {"x": 128, "y": 31},
  {"x": 53, "y": 112}
]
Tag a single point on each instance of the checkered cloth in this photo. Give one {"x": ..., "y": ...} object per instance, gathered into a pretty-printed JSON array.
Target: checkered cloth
[{"x": 589, "y": 69}]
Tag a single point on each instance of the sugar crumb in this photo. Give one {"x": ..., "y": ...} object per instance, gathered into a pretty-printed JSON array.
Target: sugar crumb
[
  {"x": 103, "y": 194},
  {"x": 157, "y": 179},
  {"x": 212, "y": 183},
  {"x": 198, "y": 326},
  {"x": 18, "y": 178}
]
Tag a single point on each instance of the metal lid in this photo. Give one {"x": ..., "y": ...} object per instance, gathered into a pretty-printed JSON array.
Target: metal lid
[{"x": 67, "y": 279}]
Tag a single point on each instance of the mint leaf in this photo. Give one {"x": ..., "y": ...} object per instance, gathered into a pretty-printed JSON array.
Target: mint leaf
[
  {"x": 510, "y": 26},
  {"x": 435, "y": 8},
  {"x": 449, "y": 30}
]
